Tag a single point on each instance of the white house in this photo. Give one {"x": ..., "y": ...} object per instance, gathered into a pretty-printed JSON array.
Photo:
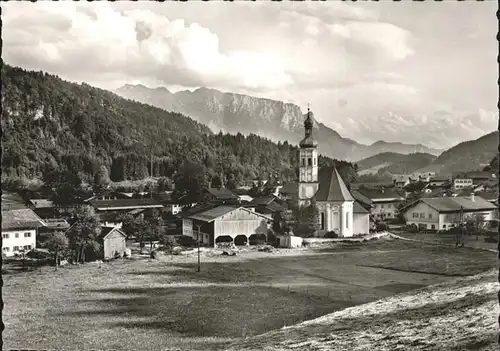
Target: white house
[
  {"x": 384, "y": 202},
  {"x": 19, "y": 230},
  {"x": 442, "y": 213}
]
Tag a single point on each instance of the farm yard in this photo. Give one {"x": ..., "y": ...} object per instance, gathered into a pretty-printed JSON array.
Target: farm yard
[{"x": 160, "y": 304}]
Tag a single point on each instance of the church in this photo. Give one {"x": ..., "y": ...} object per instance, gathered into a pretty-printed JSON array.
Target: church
[{"x": 334, "y": 201}]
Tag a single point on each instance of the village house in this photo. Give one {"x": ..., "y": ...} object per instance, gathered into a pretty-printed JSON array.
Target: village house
[
  {"x": 439, "y": 181},
  {"x": 124, "y": 205},
  {"x": 108, "y": 194},
  {"x": 266, "y": 205},
  {"x": 384, "y": 202},
  {"x": 479, "y": 177},
  {"x": 225, "y": 224},
  {"x": 401, "y": 181},
  {"x": 221, "y": 196},
  {"x": 460, "y": 180},
  {"x": 442, "y": 213},
  {"x": 43, "y": 208},
  {"x": 19, "y": 230}
]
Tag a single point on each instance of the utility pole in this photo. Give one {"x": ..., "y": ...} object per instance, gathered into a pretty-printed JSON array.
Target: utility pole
[{"x": 198, "y": 241}]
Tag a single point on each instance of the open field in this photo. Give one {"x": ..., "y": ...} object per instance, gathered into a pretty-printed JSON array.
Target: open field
[
  {"x": 139, "y": 305},
  {"x": 457, "y": 315},
  {"x": 449, "y": 239}
]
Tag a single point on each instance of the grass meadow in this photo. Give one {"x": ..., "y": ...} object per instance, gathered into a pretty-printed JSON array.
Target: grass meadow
[{"x": 141, "y": 304}]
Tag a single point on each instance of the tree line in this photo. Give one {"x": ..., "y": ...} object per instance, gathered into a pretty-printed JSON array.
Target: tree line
[{"x": 50, "y": 125}]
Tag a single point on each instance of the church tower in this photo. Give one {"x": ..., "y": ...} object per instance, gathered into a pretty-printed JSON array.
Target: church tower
[{"x": 308, "y": 166}]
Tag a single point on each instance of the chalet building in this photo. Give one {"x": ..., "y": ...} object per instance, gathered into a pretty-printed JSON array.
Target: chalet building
[
  {"x": 442, "y": 213},
  {"x": 54, "y": 225},
  {"x": 108, "y": 194},
  {"x": 19, "y": 230},
  {"x": 479, "y": 177},
  {"x": 225, "y": 224},
  {"x": 221, "y": 196},
  {"x": 401, "y": 181},
  {"x": 460, "y": 180},
  {"x": 361, "y": 219},
  {"x": 266, "y": 205},
  {"x": 439, "y": 181},
  {"x": 384, "y": 202},
  {"x": 43, "y": 208},
  {"x": 125, "y": 205}
]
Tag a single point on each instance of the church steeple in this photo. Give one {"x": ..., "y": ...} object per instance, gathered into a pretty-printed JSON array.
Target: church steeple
[
  {"x": 308, "y": 156},
  {"x": 308, "y": 140}
]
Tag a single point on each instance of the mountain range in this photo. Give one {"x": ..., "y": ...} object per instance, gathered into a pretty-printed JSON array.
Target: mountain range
[
  {"x": 275, "y": 120},
  {"x": 466, "y": 156}
]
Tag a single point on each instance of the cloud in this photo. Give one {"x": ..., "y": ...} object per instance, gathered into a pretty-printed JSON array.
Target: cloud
[
  {"x": 370, "y": 71},
  {"x": 95, "y": 39}
]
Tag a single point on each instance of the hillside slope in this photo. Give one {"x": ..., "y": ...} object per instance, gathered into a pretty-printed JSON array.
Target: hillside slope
[
  {"x": 394, "y": 163},
  {"x": 457, "y": 315},
  {"x": 50, "y": 124},
  {"x": 272, "y": 119},
  {"x": 466, "y": 156}
]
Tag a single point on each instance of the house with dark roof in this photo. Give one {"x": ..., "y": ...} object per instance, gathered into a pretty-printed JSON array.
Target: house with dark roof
[
  {"x": 221, "y": 196},
  {"x": 267, "y": 205},
  {"x": 439, "y": 181},
  {"x": 442, "y": 213},
  {"x": 19, "y": 230},
  {"x": 43, "y": 207},
  {"x": 214, "y": 225},
  {"x": 124, "y": 204},
  {"x": 384, "y": 202}
]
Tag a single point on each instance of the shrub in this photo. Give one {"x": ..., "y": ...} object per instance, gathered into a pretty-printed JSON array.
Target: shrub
[{"x": 331, "y": 235}]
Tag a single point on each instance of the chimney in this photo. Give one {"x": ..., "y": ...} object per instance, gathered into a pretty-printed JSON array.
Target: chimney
[{"x": 472, "y": 196}]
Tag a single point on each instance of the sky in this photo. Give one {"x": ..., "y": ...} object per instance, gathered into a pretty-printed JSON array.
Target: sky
[{"x": 413, "y": 72}]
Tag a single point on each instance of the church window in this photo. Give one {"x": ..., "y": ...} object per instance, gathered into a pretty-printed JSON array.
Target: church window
[
  {"x": 303, "y": 161},
  {"x": 322, "y": 221},
  {"x": 347, "y": 220},
  {"x": 309, "y": 161},
  {"x": 314, "y": 159}
]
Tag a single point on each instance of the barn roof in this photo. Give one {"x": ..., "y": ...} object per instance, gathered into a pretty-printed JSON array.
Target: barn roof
[
  {"x": 454, "y": 204},
  {"x": 18, "y": 219},
  {"x": 214, "y": 213},
  {"x": 222, "y": 193},
  {"x": 332, "y": 186},
  {"x": 42, "y": 203},
  {"x": 120, "y": 204}
]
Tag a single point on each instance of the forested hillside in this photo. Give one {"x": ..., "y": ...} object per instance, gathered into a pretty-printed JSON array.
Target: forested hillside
[
  {"x": 394, "y": 163},
  {"x": 50, "y": 124},
  {"x": 466, "y": 156}
]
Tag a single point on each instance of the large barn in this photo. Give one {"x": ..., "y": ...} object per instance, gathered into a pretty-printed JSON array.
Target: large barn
[{"x": 226, "y": 224}]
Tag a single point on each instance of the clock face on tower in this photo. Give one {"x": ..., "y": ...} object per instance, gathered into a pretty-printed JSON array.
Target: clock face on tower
[{"x": 309, "y": 192}]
